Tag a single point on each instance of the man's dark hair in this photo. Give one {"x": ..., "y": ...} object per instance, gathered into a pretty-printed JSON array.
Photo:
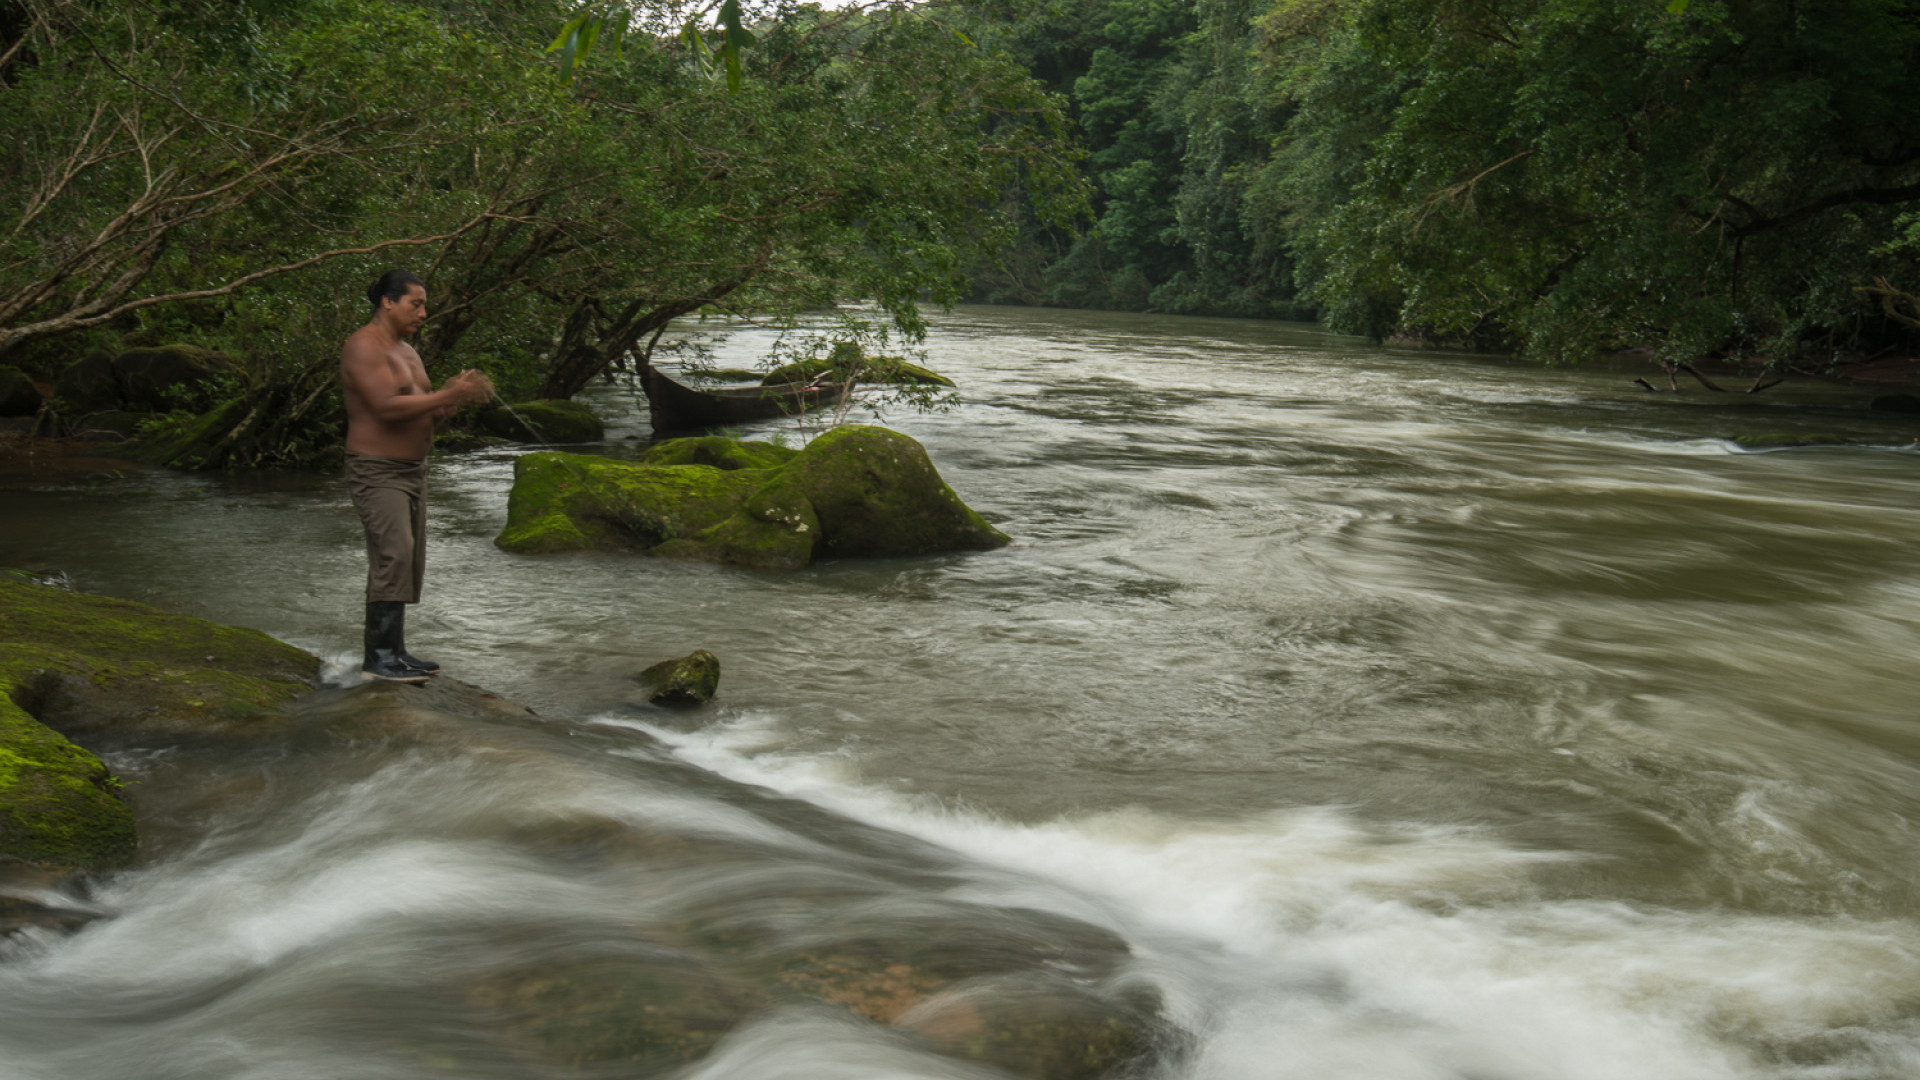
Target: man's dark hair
[{"x": 392, "y": 286}]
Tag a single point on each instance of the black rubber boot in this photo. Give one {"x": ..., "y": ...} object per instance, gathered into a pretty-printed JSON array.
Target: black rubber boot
[
  {"x": 385, "y": 621},
  {"x": 400, "y": 646}
]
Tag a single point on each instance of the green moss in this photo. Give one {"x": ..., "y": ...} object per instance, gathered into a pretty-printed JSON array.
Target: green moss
[
  {"x": 553, "y": 421},
  {"x": 74, "y": 663},
  {"x": 689, "y": 680},
  {"x": 719, "y": 452},
  {"x": 877, "y": 493},
  {"x": 186, "y": 445},
  {"x": 853, "y": 491}
]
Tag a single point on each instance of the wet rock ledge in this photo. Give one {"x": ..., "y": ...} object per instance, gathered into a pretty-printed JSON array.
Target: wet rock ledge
[
  {"x": 72, "y": 664},
  {"x": 228, "y": 727}
]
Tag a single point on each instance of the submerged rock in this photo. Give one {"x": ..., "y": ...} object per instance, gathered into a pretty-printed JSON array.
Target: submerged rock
[
  {"x": 687, "y": 681},
  {"x": 72, "y": 665},
  {"x": 855, "y": 491},
  {"x": 544, "y": 422}
]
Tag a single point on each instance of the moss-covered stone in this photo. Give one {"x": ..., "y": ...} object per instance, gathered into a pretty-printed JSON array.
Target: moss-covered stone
[
  {"x": 719, "y": 452},
  {"x": 855, "y": 491},
  {"x": 683, "y": 682},
  {"x": 71, "y": 665},
  {"x": 544, "y": 422},
  {"x": 18, "y": 395}
]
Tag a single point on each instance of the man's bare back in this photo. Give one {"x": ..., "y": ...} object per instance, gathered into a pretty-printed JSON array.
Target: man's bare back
[{"x": 392, "y": 406}]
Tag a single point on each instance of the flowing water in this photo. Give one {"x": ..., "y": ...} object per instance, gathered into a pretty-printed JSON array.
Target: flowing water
[{"x": 1393, "y": 715}]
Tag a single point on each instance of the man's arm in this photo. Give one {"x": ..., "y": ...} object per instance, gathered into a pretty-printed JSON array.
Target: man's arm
[{"x": 369, "y": 375}]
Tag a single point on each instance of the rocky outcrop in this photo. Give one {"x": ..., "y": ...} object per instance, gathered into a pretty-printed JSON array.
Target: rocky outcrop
[
  {"x": 74, "y": 666},
  {"x": 855, "y": 491},
  {"x": 544, "y": 422},
  {"x": 683, "y": 682}
]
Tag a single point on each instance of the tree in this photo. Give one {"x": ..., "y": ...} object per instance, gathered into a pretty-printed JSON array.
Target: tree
[
  {"x": 136, "y": 177},
  {"x": 1573, "y": 177}
]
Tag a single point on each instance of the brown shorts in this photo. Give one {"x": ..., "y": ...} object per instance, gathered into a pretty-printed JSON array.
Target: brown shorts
[{"x": 391, "y": 496}]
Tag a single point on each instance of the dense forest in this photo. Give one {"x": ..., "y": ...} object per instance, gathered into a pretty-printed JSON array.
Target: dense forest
[{"x": 1561, "y": 179}]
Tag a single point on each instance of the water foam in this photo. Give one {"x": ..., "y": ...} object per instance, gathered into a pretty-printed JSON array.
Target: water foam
[{"x": 1305, "y": 944}]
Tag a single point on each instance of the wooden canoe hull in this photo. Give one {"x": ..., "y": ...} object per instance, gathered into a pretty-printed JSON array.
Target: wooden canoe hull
[{"x": 675, "y": 406}]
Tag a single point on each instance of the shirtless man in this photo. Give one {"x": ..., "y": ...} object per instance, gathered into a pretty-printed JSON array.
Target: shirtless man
[{"x": 392, "y": 410}]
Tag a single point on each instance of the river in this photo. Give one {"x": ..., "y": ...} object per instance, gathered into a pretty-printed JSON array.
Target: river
[{"x": 1409, "y": 716}]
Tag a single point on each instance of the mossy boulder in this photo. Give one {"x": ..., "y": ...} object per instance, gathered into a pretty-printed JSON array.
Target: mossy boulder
[
  {"x": 89, "y": 384},
  {"x": 855, "y": 491},
  {"x": 73, "y": 665},
  {"x": 18, "y": 395},
  {"x": 544, "y": 422},
  {"x": 683, "y": 682}
]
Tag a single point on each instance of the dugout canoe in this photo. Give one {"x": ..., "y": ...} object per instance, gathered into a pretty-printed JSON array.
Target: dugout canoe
[{"x": 675, "y": 406}]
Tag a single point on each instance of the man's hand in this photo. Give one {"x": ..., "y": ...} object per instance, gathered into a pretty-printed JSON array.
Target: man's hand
[{"x": 470, "y": 387}]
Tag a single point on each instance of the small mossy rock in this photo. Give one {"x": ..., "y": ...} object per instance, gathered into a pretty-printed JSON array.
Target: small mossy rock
[
  {"x": 684, "y": 682},
  {"x": 166, "y": 376},
  {"x": 90, "y": 384},
  {"x": 544, "y": 422},
  {"x": 1780, "y": 440},
  {"x": 18, "y": 395},
  {"x": 718, "y": 452},
  {"x": 1895, "y": 403},
  {"x": 855, "y": 491}
]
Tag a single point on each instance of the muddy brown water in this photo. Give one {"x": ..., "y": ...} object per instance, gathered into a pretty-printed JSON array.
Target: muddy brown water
[{"x": 1403, "y": 715}]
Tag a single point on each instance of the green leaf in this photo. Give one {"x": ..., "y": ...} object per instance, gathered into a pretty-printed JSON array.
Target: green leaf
[
  {"x": 567, "y": 31},
  {"x": 567, "y": 51},
  {"x": 1677, "y": 7},
  {"x": 733, "y": 69}
]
